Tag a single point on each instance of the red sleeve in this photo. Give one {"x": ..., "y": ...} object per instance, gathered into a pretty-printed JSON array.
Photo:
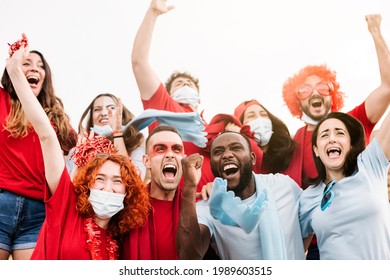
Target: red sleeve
[
  {"x": 359, "y": 112},
  {"x": 58, "y": 205},
  {"x": 161, "y": 100}
]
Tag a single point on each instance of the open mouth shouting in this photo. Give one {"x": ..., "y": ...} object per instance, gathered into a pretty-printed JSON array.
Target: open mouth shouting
[
  {"x": 333, "y": 152},
  {"x": 169, "y": 172},
  {"x": 33, "y": 80},
  {"x": 316, "y": 102},
  {"x": 230, "y": 170}
]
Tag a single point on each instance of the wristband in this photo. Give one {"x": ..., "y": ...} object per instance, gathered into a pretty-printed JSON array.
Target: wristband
[{"x": 118, "y": 136}]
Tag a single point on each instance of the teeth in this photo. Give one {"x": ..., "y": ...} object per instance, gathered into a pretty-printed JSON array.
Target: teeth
[
  {"x": 333, "y": 150},
  {"x": 32, "y": 79},
  {"x": 170, "y": 166},
  {"x": 228, "y": 166}
]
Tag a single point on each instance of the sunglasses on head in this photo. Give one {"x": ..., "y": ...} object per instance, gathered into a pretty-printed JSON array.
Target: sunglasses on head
[
  {"x": 323, "y": 88},
  {"x": 328, "y": 195}
]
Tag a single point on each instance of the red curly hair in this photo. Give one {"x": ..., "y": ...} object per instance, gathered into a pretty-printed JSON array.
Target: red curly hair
[
  {"x": 322, "y": 71},
  {"x": 136, "y": 202}
]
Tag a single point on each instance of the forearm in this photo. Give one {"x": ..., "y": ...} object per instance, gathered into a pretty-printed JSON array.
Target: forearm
[
  {"x": 120, "y": 146},
  {"x": 31, "y": 107},
  {"x": 378, "y": 101},
  {"x": 188, "y": 236},
  {"x": 143, "y": 39},
  {"x": 383, "y": 55},
  {"x": 146, "y": 79}
]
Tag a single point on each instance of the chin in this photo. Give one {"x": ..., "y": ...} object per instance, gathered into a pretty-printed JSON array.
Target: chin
[{"x": 170, "y": 186}]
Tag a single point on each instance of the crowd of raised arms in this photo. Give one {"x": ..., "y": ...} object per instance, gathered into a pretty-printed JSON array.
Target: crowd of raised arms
[{"x": 238, "y": 187}]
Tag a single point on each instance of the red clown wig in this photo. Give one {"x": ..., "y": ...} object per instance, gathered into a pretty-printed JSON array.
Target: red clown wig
[{"x": 322, "y": 71}]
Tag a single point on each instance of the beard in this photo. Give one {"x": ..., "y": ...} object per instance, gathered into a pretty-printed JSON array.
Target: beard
[
  {"x": 309, "y": 109},
  {"x": 245, "y": 177}
]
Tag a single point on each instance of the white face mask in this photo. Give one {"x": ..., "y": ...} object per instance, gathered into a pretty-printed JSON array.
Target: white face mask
[
  {"x": 187, "y": 95},
  {"x": 262, "y": 128},
  {"x": 104, "y": 130},
  {"x": 306, "y": 119},
  {"x": 106, "y": 204}
]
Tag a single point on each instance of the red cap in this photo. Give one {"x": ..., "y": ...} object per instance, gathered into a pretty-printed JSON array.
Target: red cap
[{"x": 240, "y": 109}]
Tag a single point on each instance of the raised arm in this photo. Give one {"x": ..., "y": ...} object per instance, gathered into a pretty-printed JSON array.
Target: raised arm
[
  {"x": 378, "y": 101},
  {"x": 146, "y": 78},
  {"x": 383, "y": 136},
  {"x": 51, "y": 149},
  {"x": 192, "y": 238}
]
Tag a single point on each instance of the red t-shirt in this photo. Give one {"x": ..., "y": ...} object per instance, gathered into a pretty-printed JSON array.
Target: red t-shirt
[
  {"x": 157, "y": 238},
  {"x": 62, "y": 236},
  {"x": 165, "y": 230},
  {"x": 21, "y": 161}
]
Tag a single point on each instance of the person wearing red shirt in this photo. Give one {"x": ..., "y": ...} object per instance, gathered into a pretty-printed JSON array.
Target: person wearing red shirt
[
  {"x": 157, "y": 239},
  {"x": 87, "y": 218},
  {"x": 314, "y": 92},
  {"x": 22, "y": 174}
]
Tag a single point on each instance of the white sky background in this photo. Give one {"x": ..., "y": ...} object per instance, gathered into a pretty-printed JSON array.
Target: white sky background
[{"x": 238, "y": 49}]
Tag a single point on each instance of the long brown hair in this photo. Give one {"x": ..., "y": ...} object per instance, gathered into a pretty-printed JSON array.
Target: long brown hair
[
  {"x": 18, "y": 125},
  {"x": 132, "y": 137}
]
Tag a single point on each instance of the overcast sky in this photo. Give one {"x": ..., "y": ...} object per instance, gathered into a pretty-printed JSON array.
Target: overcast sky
[{"x": 238, "y": 49}]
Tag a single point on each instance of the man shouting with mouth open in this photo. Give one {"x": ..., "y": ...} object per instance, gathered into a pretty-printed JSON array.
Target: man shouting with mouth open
[{"x": 247, "y": 216}]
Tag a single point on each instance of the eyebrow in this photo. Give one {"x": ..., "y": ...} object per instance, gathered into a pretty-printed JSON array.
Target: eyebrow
[
  {"x": 328, "y": 129},
  {"x": 105, "y": 175}
]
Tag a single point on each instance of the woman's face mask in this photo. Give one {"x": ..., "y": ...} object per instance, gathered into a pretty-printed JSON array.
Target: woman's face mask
[
  {"x": 187, "y": 95},
  {"x": 262, "y": 129},
  {"x": 104, "y": 130},
  {"x": 106, "y": 204}
]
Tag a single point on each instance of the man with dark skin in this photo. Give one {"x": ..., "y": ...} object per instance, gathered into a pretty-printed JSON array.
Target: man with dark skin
[{"x": 229, "y": 214}]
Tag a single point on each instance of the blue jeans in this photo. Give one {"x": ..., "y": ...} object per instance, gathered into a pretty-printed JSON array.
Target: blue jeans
[{"x": 21, "y": 219}]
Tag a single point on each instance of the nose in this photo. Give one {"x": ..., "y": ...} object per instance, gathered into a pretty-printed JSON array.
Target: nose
[
  {"x": 169, "y": 154},
  {"x": 332, "y": 138},
  {"x": 104, "y": 112},
  {"x": 34, "y": 68},
  {"x": 108, "y": 186},
  {"x": 227, "y": 154}
]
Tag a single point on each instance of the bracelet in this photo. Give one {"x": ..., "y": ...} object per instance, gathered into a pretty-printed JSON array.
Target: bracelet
[
  {"x": 117, "y": 132},
  {"x": 118, "y": 136}
]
